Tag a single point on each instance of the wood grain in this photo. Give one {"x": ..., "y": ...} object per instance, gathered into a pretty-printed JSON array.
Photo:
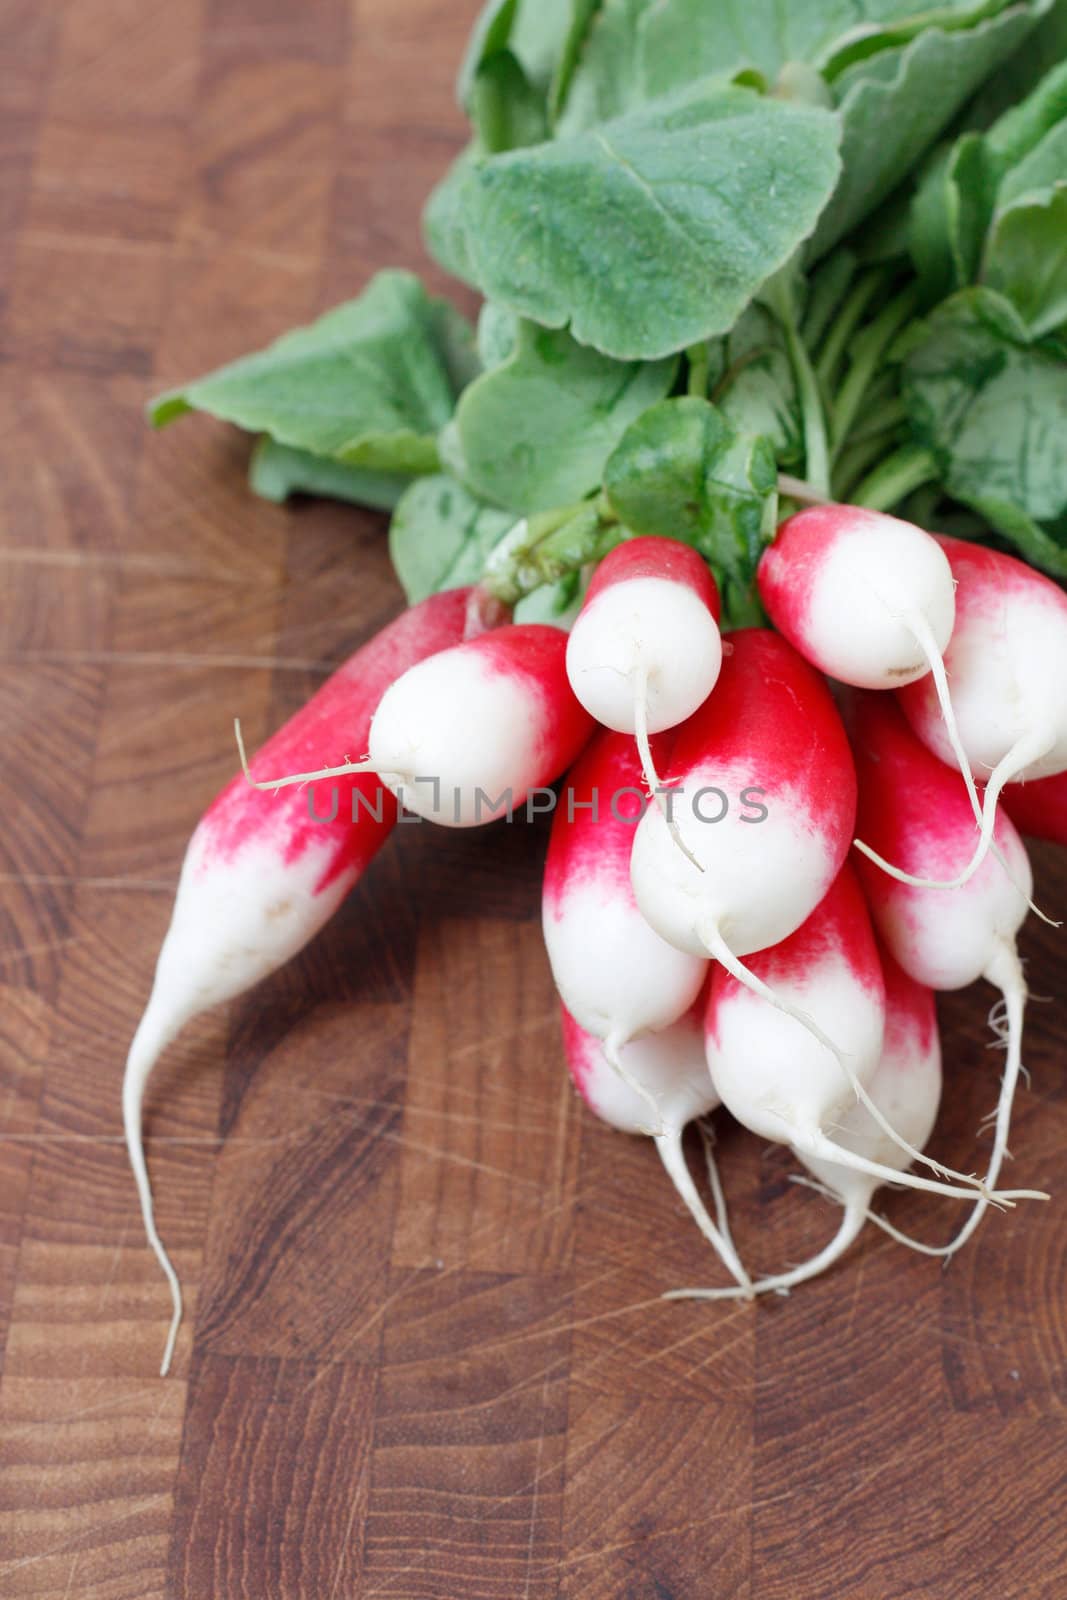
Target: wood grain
[{"x": 426, "y": 1353}]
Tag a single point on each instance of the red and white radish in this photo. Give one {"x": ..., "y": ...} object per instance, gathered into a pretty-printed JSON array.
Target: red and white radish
[
  {"x": 773, "y": 1073},
  {"x": 744, "y": 883},
  {"x": 261, "y": 876},
  {"x": 616, "y": 975},
  {"x": 645, "y": 645},
  {"x": 1039, "y": 808},
  {"x": 463, "y": 738},
  {"x": 1007, "y": 660},
  {"x": 915, "y": 808},
  {"x": 906, "y": 1086},
  {"x": 670, "y": 1067},
  {"x": 868, "y": 599},
  {"x": 645, "y": 650}
]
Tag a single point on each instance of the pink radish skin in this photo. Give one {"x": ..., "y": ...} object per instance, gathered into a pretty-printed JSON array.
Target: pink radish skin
[
  {"x": 463, "y": 738},
  {"x": 1007, "y": 662},
  {"x": 868, "y": 599},
  {"x": 862, "y": 596},
  {"x": 772, "y": 1073},
  {"x": 646, "y": 642},
  {"x": 770, "y": 725},
  {"x": 916, "y": 808},
  {"x": 494, "y": 714},
  {"x": 1039, "y": 809},
  {"x": 616, "y": 974},
  {"x": 671, "y": 1068},
  {"x": 261, "y": 877},
  {"x": 738, "y": 886},
  {"x": 906, "y": 1086}
]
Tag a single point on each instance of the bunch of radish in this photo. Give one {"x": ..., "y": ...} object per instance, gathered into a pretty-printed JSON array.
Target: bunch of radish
[{"x": 754, "y": 885}]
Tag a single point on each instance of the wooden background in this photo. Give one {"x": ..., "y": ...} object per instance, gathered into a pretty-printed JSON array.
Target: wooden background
[{"x": 425, "y": 1354}]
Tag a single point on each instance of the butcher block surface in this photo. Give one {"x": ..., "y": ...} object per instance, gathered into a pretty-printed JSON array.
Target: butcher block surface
[{"x": 425, "y": 1354}]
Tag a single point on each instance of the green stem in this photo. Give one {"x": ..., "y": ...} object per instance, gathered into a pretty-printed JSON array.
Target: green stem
[
  {"x": 849, "y": 320},
  {"x": 816, "y": 447},
  {"x": 859, "y": 456},
  {"x": 870, "y": 347},
  {"x": 546, "y": 547},
  {"x": 887, "y": 410},
  {"x": 828, "y": 288},
  {"x": 699, "y": 358},
  {"x": 906, "y": 470}
]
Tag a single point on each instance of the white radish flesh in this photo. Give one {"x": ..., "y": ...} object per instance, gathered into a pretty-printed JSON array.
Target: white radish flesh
[
  {"x": 868, "y": 599},
  {"x": 906, "y": 1086},
  {"x": 262, "y": 875},
  {"x": 617, "y": 976},
  {"x": 740, "y": 885},
  {"x": 670, "y": 1067},
  {"x": 772, "y": 1073},
  {"x": 646, "y": 641},
  {"x": 1007, "y": 662},
  {"x": 915, "y": 807},
  {"x": 645, "y": 650},
  {"x": 462, "y": 739}
]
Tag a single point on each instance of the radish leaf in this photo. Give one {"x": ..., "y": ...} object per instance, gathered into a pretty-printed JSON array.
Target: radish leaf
[
  {"x": 370, "y": 383},
  {"x": 683, "y": 472},
  {"x": 697, "y": 199},
  {"x": 534, "y": 433},
  {"x": 440, "y": 536},
  {"x": 277, "y": 471},
  {"x": 991, "y": 405},
  {"x": 895, "y": 104}
]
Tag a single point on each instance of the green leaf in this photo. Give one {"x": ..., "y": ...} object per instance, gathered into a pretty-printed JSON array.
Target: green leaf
[
  {"x": 440, "y": 537},
  {"x": 1019, "y": 103},
  {"x": 541, "y": 27},
  {"x": 1044, "y": 547},
  {"x": 1041, "y": 168},
  {"x": 535, "y": 432},
  {"x": 582, "y": 13},
  {"x": 506, "y": 109},
  {"x": 606, "y": 79},
  {"x": 498, "y": 334},
  {"x": 757, "y": 391},
  {"x": 896, "y": 103},
  {"x": 1023, "y": 154},
  {"x": 277, "y": 471},
  {"x": 1026, "y": 259},
  {"x": 534, "y": 30},
  {"x": 681, "y": 40},
  {"x": 370, "y": 383},
  {"x": 1044, "y": 47},
  {"x": 443, "y": 221},
  {"x": 491, "y": 33},
  {"x": 682, "y": 471},
  {"x": 647, "y": 233},
  {"x": 949, "y": 216},
  {"x": 990, "y": 405}
]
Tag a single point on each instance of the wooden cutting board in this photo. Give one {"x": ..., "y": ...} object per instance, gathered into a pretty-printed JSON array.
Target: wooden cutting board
[{"x": 426, "y": 1354}]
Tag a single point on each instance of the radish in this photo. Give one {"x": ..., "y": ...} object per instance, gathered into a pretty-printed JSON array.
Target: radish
[
  {"x": 260, "y": 878},
  {"x": 868, "y": 599},
  {"x": 462, "y": 738},
  {"x": 671, "y": 1068},
  {"x": 744, "y": 884},
  {"x": 645, "y": 649},
  {"x": 616, "y": 975},
  {"x": 1007, "y": 660},
  {"x": 1039, "y": 808},
  {"x": 773, "y": 1074},
  {"x": 916, "y": 808},
  {"x": 906, "y": 1086}
]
